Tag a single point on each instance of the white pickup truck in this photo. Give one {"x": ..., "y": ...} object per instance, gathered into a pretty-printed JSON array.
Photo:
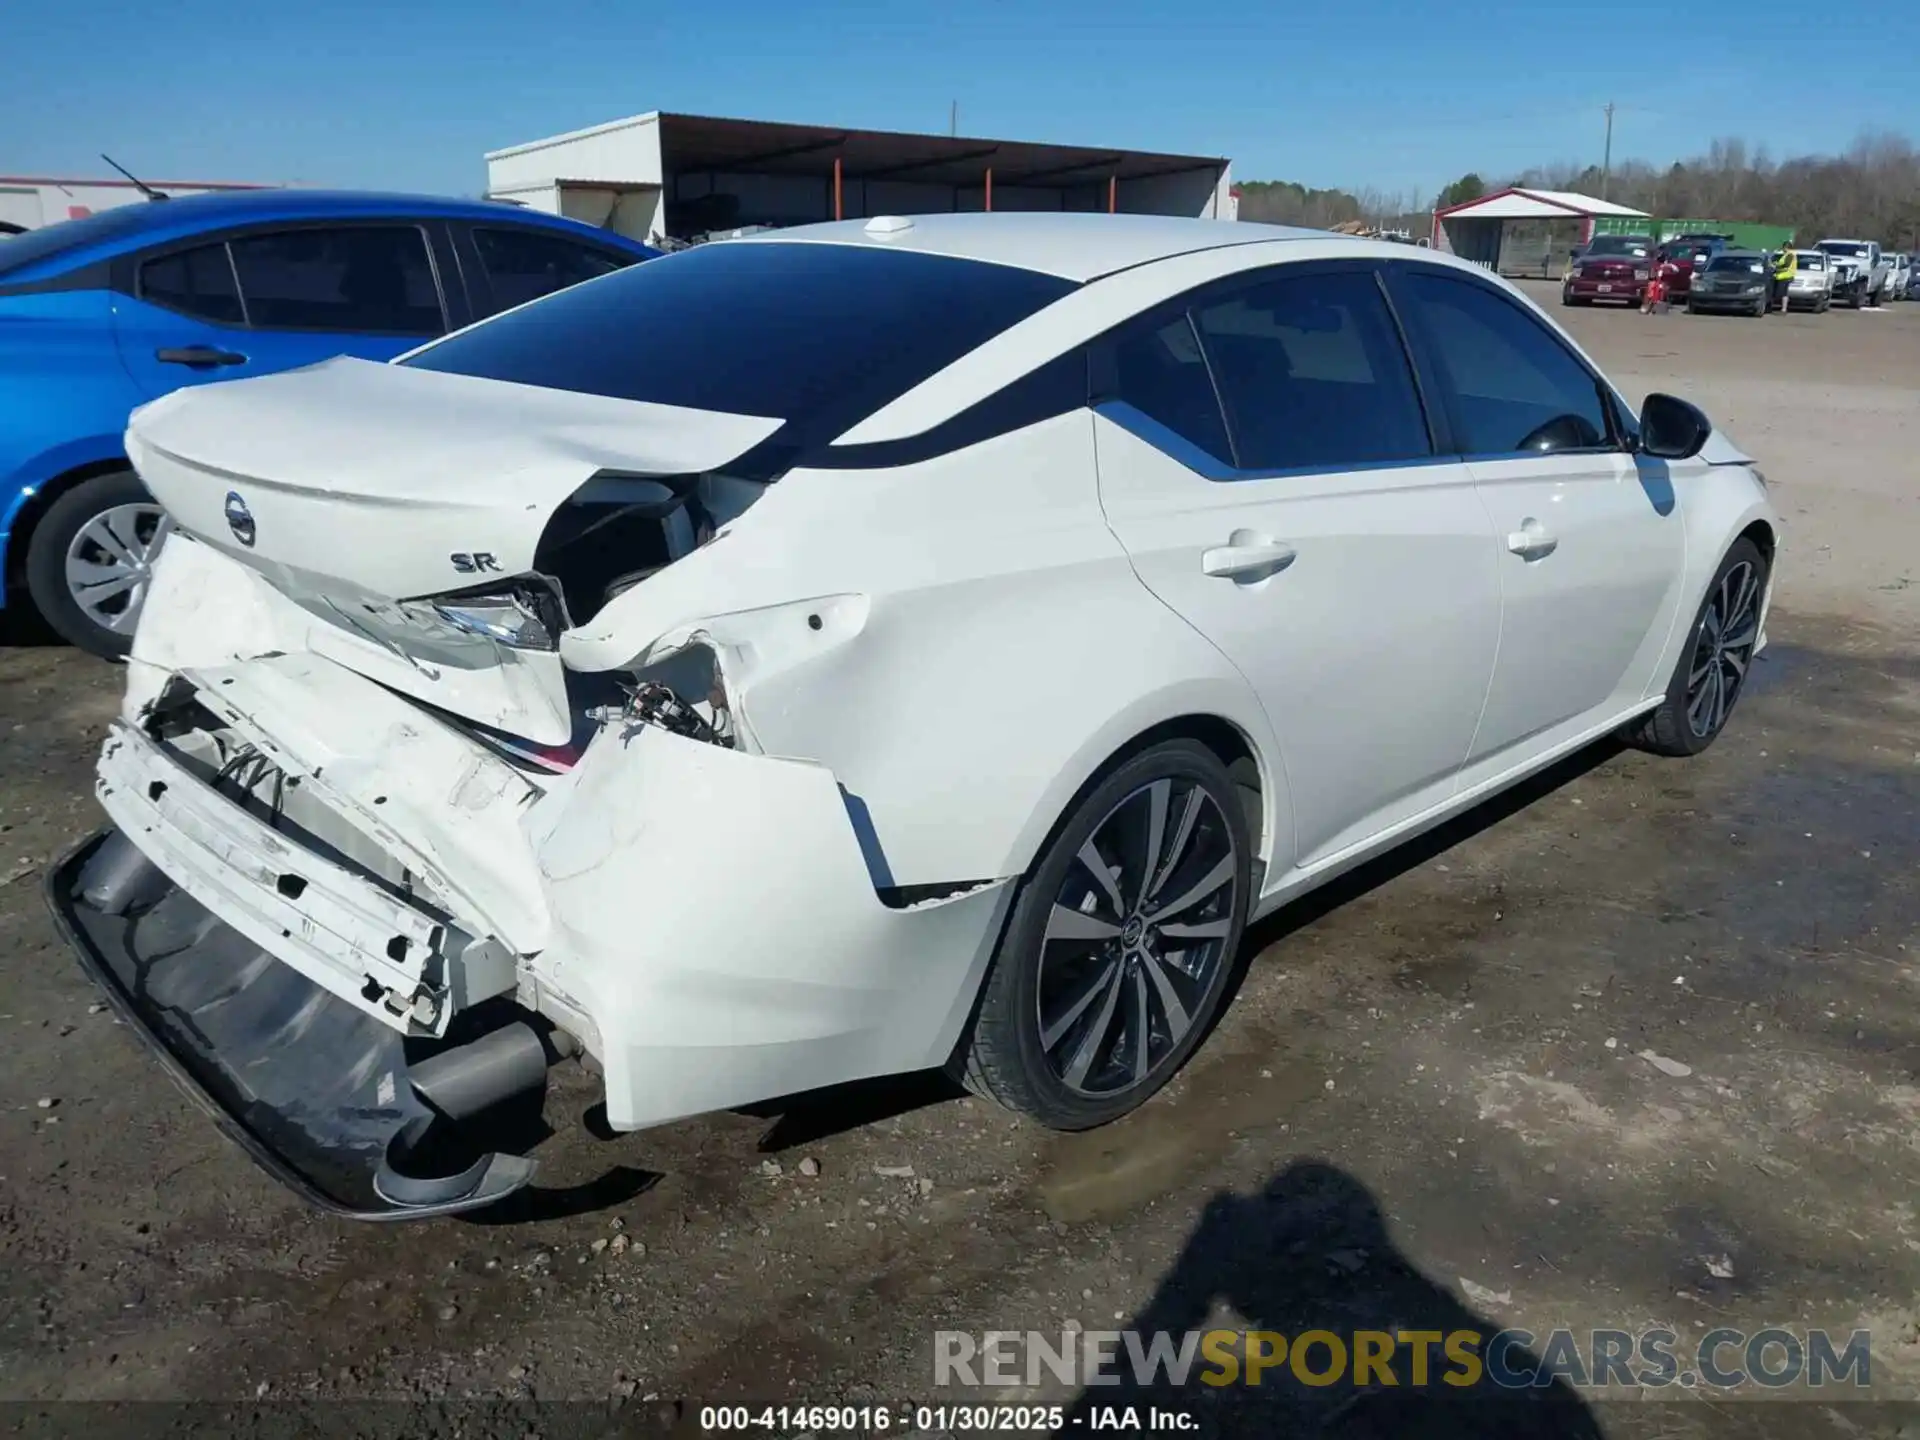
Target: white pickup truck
[{"x": 1860, "y": 271}]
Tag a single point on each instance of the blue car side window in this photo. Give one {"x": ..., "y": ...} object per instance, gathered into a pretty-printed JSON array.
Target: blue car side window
[{"x": 195, "y": 282}]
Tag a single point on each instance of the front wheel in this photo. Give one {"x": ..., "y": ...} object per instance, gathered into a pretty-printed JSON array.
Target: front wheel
[
  {"x": 1120, "y": 945},
  {"x": 1711, "y": 673},
  {"x": 91, "y": 561}
]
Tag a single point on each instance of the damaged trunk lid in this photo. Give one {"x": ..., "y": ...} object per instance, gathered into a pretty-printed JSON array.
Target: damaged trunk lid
[{"x": 411, "y": 511}]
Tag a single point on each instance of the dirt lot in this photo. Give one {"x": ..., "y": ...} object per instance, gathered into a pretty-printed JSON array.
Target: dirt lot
[{"x": 1428, "y": 1103}]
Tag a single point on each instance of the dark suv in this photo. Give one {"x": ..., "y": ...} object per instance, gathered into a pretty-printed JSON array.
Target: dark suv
[{"x": 1736, "y": 280}]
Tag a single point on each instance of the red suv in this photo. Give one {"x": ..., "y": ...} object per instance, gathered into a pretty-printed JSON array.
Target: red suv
[
  {"x": 1685, "y": 256},
  {"x": 1612, "y": 267}
]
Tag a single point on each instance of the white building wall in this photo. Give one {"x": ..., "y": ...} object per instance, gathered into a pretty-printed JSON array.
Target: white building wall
[
  {"x": 31, "y": 204},
  {"x": 621, "y": 152},
  {"x": 1206, "y": 194},
  {"x": 20, "y": 205}
]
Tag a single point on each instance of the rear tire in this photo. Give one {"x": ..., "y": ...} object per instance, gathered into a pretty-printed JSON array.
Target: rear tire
[
  {"x": 1711, "y": 673},
  {"x": 1089, "y": 967},
  {"x": 89, "y": 562}
]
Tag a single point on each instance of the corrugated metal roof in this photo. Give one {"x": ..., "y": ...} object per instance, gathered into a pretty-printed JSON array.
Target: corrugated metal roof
[
  {"x": 1584, "y": 203},
  {"x": 1525, "y": 203},
  {"x": 692, "y": 143}
]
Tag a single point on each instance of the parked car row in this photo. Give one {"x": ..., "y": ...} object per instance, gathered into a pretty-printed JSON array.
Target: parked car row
[
  {"x": 1707, "y": 272},
  {"x": 926, "y": 642},
  {"x": 101, "y": 315}
]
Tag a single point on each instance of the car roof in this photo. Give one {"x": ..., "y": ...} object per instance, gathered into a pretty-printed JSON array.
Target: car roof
[
  {"x": 1078, "y": 246},
  {"x": 110, "y": 233}
]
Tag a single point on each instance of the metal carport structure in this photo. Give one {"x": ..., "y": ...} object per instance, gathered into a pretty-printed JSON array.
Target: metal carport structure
[
  {"x": 1548, "y": 225},
  {"x": 670, "y": 175}
]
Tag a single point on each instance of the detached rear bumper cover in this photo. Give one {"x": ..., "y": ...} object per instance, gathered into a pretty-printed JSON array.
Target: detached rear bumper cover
[
  {"x": 706, "y": 922},
  {"x": 312, "y": 1088}
]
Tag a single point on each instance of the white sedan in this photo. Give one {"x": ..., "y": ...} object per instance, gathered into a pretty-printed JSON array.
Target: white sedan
[{"x": 861, "y": 648}]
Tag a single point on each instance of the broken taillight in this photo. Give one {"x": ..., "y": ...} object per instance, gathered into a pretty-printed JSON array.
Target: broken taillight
[{"x": 521, "y": 614}]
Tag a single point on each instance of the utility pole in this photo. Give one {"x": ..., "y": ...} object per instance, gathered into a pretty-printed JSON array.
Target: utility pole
[
  {"x": 953, "y": 118},
  {"x": 1606, "y": 162}
]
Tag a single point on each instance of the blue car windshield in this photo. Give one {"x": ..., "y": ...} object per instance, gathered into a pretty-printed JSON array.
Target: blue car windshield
[
  {"x": 17, "y": 252},
  {"x": 816, "y": 333}
]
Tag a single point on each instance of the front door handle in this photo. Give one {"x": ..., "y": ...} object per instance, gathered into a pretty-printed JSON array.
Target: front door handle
[
  {"x": 197, "y": 355},
  {"x": 1532, "y": 541},
  {"x": 1247, "y": 557}
]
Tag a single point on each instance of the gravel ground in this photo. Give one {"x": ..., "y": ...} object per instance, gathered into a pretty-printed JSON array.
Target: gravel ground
[{"x": 1431, "y": 1104}]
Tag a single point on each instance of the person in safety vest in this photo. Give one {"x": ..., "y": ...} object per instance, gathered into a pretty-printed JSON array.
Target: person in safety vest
[{"x": 1785, "y": 265}]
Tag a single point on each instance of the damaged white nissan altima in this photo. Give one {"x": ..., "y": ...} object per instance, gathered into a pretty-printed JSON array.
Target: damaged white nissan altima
[{"x": 857, "y": 649}]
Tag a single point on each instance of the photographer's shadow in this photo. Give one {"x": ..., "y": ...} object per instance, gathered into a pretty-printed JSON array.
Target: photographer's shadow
[{"x": 1311, "y": 1252}]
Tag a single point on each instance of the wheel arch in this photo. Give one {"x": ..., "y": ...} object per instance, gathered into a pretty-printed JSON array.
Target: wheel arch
[
  {"x": 1262, "y": 789},
  {"x": 1761, "y": 533},
  {"x": 32, "y": 509}
]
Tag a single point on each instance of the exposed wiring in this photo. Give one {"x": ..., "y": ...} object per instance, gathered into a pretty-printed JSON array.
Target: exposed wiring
[{"x": 246, "y": 771}]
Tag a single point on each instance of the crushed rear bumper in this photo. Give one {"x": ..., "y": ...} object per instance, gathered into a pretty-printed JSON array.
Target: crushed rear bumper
[{"x": 319, "y": 1092}]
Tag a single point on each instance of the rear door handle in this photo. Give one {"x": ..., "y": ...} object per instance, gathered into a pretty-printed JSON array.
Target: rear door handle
[
  {"x": 1532, "y": 541},
  {"x": 197, "y": 355},
  {"x": 1247, "y": 558}
]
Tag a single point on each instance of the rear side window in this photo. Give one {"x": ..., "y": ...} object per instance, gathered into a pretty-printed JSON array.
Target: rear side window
[
  {"x": 1514, "y": 388},
  {"x": 817, "y": 334},
  {"x": 1160, "y": 370},
  {"x": 361, "y": 279},
  {"x": 194, "y": 282},
  {"x": 523, "y": 265},
  {"x": 1313, "y": 375}
]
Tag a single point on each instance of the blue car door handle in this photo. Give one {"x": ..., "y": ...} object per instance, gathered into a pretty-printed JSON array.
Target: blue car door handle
[{"x": 197, "y": 355}]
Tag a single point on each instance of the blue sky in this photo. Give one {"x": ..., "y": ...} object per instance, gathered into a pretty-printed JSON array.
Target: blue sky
[{"x": 1397, "y": 94}]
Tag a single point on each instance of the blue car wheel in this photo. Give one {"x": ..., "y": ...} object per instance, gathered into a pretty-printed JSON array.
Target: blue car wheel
[{"x": 91, "y": 560}]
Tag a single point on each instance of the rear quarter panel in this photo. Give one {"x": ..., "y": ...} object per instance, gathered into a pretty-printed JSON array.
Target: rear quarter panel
[
  {"x": 64, "y": 396},
  {"x": 1004, "y": 649}
]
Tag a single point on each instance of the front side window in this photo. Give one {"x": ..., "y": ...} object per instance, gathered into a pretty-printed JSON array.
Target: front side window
[
  {"x": 360, "y": 279},
  {"x": 820, "y": 335},
  {"x": 523, "y": 265},
  {"x": 1514, "y": 388},
  {"x": 195, "y": 282},
  {"x": 1312, "y": 374}
]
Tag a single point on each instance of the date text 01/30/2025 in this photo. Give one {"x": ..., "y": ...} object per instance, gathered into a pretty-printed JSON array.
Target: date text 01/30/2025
[{"x": 936, "y": 1419}]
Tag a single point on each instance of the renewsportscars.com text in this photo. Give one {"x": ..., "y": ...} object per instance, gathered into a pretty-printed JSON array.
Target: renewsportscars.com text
[{"x": 1722, "y": 1359}]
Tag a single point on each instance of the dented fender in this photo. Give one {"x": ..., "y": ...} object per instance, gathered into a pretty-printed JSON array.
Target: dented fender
[{"x": 715, "y": 916}]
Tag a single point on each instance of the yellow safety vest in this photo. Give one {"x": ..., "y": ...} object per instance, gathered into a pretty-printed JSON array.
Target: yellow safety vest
[{"x": 1785, "y": 267}]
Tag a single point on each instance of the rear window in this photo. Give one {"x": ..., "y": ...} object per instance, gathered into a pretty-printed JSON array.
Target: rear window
[
  {"x": 33, "y": 246},
  {"x": 781, "y": 330},
  {"x": 1736, "y": 264},
  {"x": 1629, "y": 246}
]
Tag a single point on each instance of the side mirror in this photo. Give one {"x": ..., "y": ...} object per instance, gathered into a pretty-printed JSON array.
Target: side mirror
[{"x": 1671, "y": 429}]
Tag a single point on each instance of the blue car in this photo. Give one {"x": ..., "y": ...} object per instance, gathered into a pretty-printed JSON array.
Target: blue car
[{"x": 101, "y": 315}]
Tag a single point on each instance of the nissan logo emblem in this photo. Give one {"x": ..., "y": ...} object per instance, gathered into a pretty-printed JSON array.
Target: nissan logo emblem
[{"x": 240, "y": 519}]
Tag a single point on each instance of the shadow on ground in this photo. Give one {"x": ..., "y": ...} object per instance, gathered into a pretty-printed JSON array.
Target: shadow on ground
[{"x": 1311, "y": 1252}]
